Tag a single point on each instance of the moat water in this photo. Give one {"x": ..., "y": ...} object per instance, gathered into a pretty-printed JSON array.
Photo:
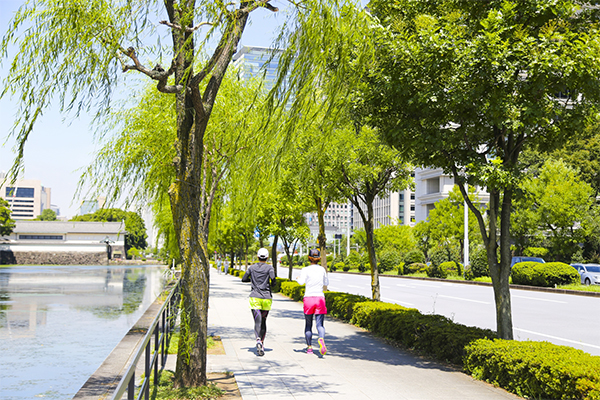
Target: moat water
[{"x": 59, "y": 323}]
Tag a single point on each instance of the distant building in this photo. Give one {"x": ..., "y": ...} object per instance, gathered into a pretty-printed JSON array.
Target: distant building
[
  {"x": 431, "y": 186},
  {"x": 91, "y": 206},
  {"x": 64, "y": 243},
  {"x": 27, "y": 198},
  {"x": 251, "y": 61}
]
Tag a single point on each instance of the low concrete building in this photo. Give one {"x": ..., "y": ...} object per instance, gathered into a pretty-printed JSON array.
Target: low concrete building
[{"x": 62, "y": 242}]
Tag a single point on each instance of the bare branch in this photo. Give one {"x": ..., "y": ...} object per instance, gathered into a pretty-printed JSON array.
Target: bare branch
[
  {"x": 187, "y": 28},
  {"x": 157, "y": 73}
]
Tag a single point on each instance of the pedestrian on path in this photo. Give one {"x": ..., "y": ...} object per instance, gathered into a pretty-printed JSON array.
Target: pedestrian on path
[
  {"x": 261, "y": 276},
  {"x": 314, "y": 277}
]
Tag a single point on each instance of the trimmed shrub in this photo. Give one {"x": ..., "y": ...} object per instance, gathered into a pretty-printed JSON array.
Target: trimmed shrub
[
  {"x": 276, "y": 288},
  {"x": 451, "y": 268},
  {"x": 434, "y": 335},
  {"x": 388, "y": 259},
  {"x": 414, "y": 256},
  {"x": 339, "y": 265},
  {"x": 415, "y": 268},
  {"x": 341, "y": 305},
  {"x": 445, "y": 269},
  {"x": 538, "y": 370},
  {"x": 293, "y": 290},
  {"x": 479, "y": 264},
  {"x": 346, "y": 268},
  {"x": 543, "y": 274},
  {"x": 354, "y": 259}
]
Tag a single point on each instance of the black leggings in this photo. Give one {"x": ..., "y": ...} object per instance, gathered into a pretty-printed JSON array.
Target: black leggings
[
  {"x": 260, "y": 323},
  {"x": 308, "y": 326}
]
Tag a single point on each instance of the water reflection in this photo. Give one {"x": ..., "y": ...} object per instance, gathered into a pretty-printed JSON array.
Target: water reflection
[{"x": 57, "y": 324}]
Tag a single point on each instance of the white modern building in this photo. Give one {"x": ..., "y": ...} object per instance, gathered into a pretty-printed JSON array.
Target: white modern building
[
  {"x": 431, "y": 186},
  {"x": 62, "y": 242},
  {"x": 397, "y": 208},
  {"x": 27, "y": 198}
]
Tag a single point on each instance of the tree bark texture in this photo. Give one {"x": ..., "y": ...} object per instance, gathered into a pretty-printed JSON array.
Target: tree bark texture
[
  {"x": 193, "y": 112},
  {"x": 369, "y": 230}
]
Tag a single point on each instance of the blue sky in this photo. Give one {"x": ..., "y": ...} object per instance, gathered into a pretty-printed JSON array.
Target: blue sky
[{"x": 60, "y": 146}]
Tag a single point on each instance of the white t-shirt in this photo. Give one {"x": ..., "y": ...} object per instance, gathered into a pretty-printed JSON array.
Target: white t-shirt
[{"x": 315, "y": 277}]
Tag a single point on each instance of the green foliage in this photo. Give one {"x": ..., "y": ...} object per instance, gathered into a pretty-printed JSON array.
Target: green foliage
[
  {"x": 538, "y": 370},
  {"x": 434, "y": 335},
  {"x": 450, "y": 268},
  {"x": 340, "y": 266},
  {"x": 544, "y": 274},
  {"x": 293, "y": 290},
  {"x": 341, "y": 305},
  {"x": 416, "y": 268},
  {"x": 165, "y": 390},
  {"x": 7, "y": 224},
  {"x": 441, "y": 255},
  {"x": 400, "y": 268},
  {"x": 354, "y": 259},
  {"x": 395, "y": 237},
  {"x": 388, "y": 259},
  {"x": 558, "y": 206},
  {"x": 414, "y": 256},
  {"x": 133, "y": 253},
  {"x": 535, "y": 252},
  {"x": 479, "y": 263},
  {"x": 47, "y": 215}
]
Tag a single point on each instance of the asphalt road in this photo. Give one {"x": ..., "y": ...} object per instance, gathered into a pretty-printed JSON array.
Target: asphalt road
[{"x": 563, "y": 319}]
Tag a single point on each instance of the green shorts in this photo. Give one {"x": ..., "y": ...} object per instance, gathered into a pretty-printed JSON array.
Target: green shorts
[{"x": 257, "y": 303}]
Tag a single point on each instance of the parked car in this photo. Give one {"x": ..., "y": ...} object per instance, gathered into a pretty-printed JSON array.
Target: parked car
[
  {"x": 519, "y": 259},
  {"x": 590, "y": 273}
]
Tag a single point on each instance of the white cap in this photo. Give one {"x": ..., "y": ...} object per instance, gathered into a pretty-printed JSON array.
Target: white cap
[{"x": 263, "y": 254}]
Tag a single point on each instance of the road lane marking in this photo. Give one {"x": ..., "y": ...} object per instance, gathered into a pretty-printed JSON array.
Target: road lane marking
[
  {"x": 463, "y": 299},
  {"x": 386, "y": 287},
  {"x": 558, "y": 338},
  {"x": 425, "y": 284},
  {"x": 402, "y": 303},
  {"x": 405, "y": 285},
  {"x": 534, "y": 298}
]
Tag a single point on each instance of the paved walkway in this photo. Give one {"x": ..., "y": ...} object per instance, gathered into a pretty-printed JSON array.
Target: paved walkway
[{"x": 357, "y": 365}]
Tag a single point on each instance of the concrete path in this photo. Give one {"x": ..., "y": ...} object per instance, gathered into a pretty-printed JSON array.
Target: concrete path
[{"x": 357, "y": 365}]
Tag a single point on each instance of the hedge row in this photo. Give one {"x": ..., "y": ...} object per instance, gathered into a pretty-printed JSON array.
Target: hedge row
[
  {"x": 538, "y": 370},
  {"x": 434, "y": 335},
  {"x": 544, "y": 274}
]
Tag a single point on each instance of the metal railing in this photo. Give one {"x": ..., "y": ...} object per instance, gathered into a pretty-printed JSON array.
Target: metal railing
[{"x": 161, "y": 330}]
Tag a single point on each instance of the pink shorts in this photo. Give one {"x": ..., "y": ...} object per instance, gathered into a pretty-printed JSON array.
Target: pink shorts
[{"x": 314, "y": 305}]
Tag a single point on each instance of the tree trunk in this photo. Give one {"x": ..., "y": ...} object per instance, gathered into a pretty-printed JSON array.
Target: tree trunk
[
  {"x": 499, "y": 271},
  {"x": 369, "y": 230},
  {"x": 274, "y": 253},
  {"x": 322, "y": 238},
  {"x": 193, "y": 112}
]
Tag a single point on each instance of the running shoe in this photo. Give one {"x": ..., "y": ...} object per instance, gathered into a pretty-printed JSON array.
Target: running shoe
[
  {"x": 259, "y": 349},
  {"x": 309, "y": 350},
  {"x": 322, "y": 347}
]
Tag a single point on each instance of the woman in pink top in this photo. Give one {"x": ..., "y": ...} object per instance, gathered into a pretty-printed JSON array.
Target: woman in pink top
[{"x": 314, "y": 277}]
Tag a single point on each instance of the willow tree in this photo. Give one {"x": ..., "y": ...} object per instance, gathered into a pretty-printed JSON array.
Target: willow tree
[
  {"x": 73, "y": 52},
  {"x": 135, "y": 165},
  {"x": 468, "y": 86}
]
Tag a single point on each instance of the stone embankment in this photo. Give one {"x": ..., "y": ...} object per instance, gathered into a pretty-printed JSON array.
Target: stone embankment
[{"x": 53, "y": 258}]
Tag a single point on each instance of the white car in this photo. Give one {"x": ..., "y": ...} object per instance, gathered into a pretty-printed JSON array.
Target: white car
[{"x": 590, "y": 273}]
